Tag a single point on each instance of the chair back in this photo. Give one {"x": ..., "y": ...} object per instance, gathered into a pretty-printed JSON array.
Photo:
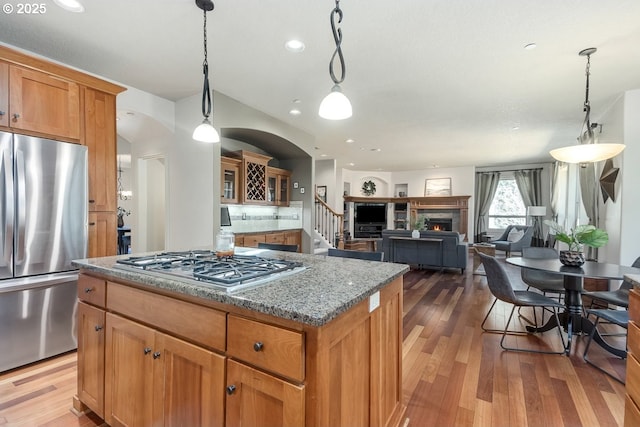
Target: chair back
[
  {"x": 625, "y": 283},
  {"x": 539, "y": 253},
  {"x": 498, "y": 280},
  {"x": 278, "y": 247},
  {"x": 347, "y": 253}
]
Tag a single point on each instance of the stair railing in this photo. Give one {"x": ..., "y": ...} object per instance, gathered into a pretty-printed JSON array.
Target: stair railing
[{"x": 329, "y": 223}]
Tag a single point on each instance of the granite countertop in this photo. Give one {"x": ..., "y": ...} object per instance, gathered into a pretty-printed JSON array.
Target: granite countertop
[
  {"x": 634, "y": 279},
  {"x": 328, "y": 286}
]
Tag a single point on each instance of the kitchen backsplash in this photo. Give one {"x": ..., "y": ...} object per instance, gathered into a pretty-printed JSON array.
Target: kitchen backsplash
[{"x": 250, "y": 218}]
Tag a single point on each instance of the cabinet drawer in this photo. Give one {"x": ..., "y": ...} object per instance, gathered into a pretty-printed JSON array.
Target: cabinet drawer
[
  {"x": 634, "y": 306},
  {"x": 252, "y": 240},
  {"x": 266, "y": 346},
  {"x": 274, "y": 238},
  {"x": 192, "y": 322},
  {"x": 92, "y": 290},
  {"x": 633, "y": 378},
  {"x": 631, "y": 413},
  {"x": 633, "y": 339}
]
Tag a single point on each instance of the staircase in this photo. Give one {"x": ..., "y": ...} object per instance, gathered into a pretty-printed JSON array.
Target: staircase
[{"x": 328, "y": 226}]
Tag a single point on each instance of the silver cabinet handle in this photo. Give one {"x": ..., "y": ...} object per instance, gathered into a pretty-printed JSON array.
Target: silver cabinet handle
[
  {"x": 231, "y": 389},
  {"x": 156, "y": 355},
  {"x": 16, "y": 116},
  {"x": 98, "y": 328},
  {"x": 258, "y": 346},
  {"x": 147, "y": 350},
  {"x": 2, "y": 113}
]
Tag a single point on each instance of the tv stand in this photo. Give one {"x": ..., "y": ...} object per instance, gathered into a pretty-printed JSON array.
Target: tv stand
[{"x": 369, "y": 230}]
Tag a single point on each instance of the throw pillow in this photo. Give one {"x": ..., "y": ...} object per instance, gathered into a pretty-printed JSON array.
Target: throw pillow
[{"x": 515, "y": 235}]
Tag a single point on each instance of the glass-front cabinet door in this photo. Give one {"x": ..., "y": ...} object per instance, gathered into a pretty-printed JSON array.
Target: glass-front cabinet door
[
  {"x": 272, "y": 185},
  {"x": 284, "y": 190},
  {"x": 230, "y": 180}
]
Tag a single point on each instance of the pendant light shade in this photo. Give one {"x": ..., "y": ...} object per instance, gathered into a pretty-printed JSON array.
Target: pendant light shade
[
  {"x": 586, "y": 153},
  {"x": 335, "y": 106},
  {"x": 205, "y": 132},
  {"x": 588, "y": 150}
]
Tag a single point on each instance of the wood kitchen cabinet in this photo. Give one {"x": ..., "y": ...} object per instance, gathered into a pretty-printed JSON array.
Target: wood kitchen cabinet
[
  {"x": 91, "y": 323},
  {"x": 150, "y": 368},
  {"x": 42, "y": 103},
  {"x": 103, "y": 234},
  {"x": 4, "y": 94},
  {"x": 254, "y": 397},
  {"x": 254, "y": 177},
  {"x": 100, "y": 139},
  {"x": 230, "y": 180},
  {"x": 632, "y": 403},
  {"x": 251, "y": 240},
  {"x": 278, "y": 186}
]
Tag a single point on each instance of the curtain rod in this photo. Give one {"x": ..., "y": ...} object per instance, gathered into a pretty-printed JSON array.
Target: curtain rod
[{"x": 513, "y": 170}]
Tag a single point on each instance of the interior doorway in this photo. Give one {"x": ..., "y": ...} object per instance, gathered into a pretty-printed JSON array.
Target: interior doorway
[{"x": 152, "y": 203}]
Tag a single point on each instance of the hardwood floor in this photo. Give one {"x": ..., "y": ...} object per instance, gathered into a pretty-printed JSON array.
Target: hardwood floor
[{"x": 453, "y": 374}]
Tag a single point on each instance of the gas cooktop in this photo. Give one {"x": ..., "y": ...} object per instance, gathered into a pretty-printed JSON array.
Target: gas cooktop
[{"x": 227, "y": 273}]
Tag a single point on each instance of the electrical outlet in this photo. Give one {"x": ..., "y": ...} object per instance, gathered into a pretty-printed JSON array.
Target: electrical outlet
[
  {"x": 301, "y": 190},
  {"x": 244, "y": 215}
]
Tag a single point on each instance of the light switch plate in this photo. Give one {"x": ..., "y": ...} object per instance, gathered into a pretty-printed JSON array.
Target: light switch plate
[
  {"x": 301, "y": 190},
  {"x": 295, "y": 184},
  {"x": 374, "y": 301}
]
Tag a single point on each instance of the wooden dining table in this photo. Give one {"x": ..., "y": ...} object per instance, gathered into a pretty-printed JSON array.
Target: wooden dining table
[{"x": 572, "y": 318}]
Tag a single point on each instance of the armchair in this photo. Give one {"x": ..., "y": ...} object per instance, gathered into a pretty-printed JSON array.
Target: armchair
[{"x": 504, "y": 244}]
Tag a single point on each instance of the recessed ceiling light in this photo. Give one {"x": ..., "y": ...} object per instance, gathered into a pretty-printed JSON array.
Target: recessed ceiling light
[
  {"x": 295, "y": 46},
  {"x": 352, "y": 164},
  {"x": 349, "y": 141},
  {"x": 323, "y": 155},
  {"x": 70, "y": 5},
  {"x": 376, "y": 149},
  {"x": 515, "y": 127},
  {"x": 295, "y": 112},
  {"x": 530, "y": 46},
  {"x": 296, "y": 101}
]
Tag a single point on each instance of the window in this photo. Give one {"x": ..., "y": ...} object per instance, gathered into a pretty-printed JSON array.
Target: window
[{"x": 507, "y": 206}]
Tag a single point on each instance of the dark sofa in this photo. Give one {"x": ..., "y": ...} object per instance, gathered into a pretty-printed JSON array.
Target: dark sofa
[{"x": 450, "y": 252}]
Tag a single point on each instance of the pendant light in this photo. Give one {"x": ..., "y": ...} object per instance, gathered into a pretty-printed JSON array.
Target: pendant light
[
  {"x": 205, "y": 132},
  {"x": 588, "y": 150},
  {"x": 336, "y": 105}
]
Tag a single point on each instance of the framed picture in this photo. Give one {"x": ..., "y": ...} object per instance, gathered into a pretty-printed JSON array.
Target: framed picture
[
  {"x": 437, "y": 187},
  {"x": 321, "y": 190}
]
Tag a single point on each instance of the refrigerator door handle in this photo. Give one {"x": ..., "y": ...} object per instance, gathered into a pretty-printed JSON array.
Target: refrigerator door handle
[
  {"x": 21, "y": 207},
  {"x": 6, "y": 183}
]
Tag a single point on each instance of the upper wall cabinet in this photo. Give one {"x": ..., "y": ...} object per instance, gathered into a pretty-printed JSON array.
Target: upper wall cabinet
[
  {"x": 230, "y": 179},
  {"x": 4, "y": 94},
  {"x": 278, "y": 186},
  {"x": 44, "y": 104}
]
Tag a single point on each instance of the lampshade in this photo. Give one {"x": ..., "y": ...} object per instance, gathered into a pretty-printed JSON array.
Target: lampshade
[
  {"x": 335, "y": 106},
  {"x": 205, "y": 132},
  {"x": 586, "y": 153},
  {"x": 537, "y": 211}
]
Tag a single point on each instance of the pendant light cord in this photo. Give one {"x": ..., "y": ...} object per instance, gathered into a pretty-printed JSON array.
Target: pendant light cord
[
  {"x": 336, "y": 14},
  {"x": 587, "y": 104},
  {"x": 206, "y": 93}
]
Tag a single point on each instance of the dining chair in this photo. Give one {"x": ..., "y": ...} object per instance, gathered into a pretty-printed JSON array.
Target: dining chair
[
  {"x": 617, "y": 317},
  {"x": 278, "y": 247},
  {"x": 347, "y": 253},
  {"x": 545, "y": 282},
  {"x": 501, "y": 288},
  {"x": 618, "y": 297}
]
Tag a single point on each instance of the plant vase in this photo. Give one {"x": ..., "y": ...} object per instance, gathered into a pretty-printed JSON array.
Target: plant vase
[
  {"x": 572, "y": 258},
  {"x": 415, "y": 234}
]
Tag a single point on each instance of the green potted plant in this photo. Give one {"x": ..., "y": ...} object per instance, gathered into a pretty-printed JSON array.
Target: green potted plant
[
  {"x": 577, "y": 238},
  {"x": 418, "y": 224}
]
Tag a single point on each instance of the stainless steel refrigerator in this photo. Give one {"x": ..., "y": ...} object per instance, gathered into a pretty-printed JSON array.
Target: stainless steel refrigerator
[{"x": 43, "y": 226}]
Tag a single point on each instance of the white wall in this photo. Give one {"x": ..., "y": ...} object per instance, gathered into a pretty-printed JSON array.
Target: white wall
[{"x": 630, "y": 174}]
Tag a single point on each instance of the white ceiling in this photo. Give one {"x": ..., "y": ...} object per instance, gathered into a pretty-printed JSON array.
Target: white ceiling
[{"x": 432, "y": 82}]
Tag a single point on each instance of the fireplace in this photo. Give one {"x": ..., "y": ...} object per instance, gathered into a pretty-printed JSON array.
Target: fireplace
[{"x": 439, "y": 224}]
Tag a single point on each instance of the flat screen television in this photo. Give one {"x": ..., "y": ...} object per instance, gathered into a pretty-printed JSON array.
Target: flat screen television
[{"x": 369, "y": 213}]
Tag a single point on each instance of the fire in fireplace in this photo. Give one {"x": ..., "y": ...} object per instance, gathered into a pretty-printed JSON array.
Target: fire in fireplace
[{"x": 440, "y": 224}]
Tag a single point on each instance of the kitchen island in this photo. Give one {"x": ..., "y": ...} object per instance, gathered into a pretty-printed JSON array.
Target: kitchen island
[{"x": 320, "y": 347}]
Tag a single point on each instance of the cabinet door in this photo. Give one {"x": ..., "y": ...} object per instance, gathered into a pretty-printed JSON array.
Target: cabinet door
[
  {"x": 4, "y": 94},
  {"x": 252, "y": 240},
  {"x": 189, "y": 384},
  {"x": 272, "y": 189},
  {"x": 293, "y": 238},
  {"x": 254, "y": 397},
  {"x": 283, "y": 190},
  {"x": 129, "y": 363},
  {"x": 103, "y": 235},
  {"x": 230, "y": 179},
  {"x": 91, "y": 322},
  {"x": 43, "y": 103},
  {"x": 100, "y": 139}
]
